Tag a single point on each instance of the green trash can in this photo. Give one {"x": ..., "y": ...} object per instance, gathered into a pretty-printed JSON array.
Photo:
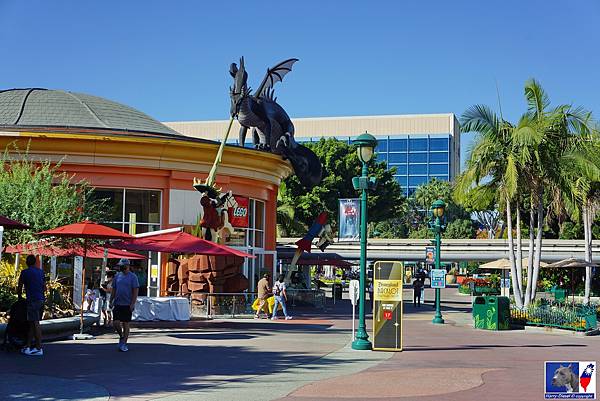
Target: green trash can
[
  {"x": 336, "y": 291},
  {"x": 491, "y": 313},
  {"x": 560, "y": 294}
]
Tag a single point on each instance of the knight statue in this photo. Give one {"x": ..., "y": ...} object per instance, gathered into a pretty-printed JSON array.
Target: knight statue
[{"x": 272, "y": 129}]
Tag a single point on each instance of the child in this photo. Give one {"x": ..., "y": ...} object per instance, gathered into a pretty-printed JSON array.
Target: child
[{"x": 90, "y": 296}]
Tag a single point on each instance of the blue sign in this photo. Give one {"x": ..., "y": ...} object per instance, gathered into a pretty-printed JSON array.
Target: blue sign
[{"x": 438, "y": 278}]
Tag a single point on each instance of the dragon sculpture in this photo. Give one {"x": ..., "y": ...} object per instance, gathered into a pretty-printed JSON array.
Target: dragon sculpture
[{"x": 272, "y": 129}]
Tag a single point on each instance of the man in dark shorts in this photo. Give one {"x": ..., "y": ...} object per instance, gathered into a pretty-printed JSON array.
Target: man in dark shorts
[
  {"x": 123, "y": 297},
  {"x": 32, "y": 279}
]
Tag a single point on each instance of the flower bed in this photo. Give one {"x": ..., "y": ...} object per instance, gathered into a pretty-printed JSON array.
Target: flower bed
[
  {"x": 553, "y": 314},
  {"x": 477, "y": 286}
]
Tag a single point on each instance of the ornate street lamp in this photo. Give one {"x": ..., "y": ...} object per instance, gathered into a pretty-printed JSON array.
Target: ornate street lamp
[
  {"x": 437, "y": 225},
  {"x": 366, "y": 144}
]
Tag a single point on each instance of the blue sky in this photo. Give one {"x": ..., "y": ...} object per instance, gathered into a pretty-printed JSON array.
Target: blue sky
[{"x": 170, "y": 59}]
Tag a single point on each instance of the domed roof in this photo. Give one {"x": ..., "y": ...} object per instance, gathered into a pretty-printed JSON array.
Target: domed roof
[{"x": 35, "y": 107}]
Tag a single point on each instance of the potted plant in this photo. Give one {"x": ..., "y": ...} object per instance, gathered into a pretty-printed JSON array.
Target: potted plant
[{"x": 451, "y": 276}]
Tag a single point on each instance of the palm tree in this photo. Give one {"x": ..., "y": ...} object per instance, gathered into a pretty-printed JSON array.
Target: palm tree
[
  {"x": 523, "y": 161},
  {"x": 491, "y": 167},
  {"x": 543, "y": 137},
  {"x": 580, "y": 182}
]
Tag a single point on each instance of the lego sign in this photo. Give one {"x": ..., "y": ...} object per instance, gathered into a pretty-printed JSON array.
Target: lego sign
[{"x": 238, "y": 215}]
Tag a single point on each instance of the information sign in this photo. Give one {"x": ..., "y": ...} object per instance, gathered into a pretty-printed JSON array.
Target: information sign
[
  {"x": 387, "y": 306},
  {"x": 438, "y": 278}
]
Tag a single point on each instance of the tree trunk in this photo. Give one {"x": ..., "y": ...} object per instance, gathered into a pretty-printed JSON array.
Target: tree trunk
[
  {"x": 538, "y": 244},
  {"x": 587, "y": 231},
  {"x": 531, "y": 249},
  {"x": 519, "y": 250},
  {"x": 511, "y": 256}
]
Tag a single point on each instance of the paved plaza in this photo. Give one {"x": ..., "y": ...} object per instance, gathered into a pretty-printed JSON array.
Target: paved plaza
[{"x": 307, "y": 358}]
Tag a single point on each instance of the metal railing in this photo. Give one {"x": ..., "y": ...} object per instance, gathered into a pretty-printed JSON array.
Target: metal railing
[
  {"x": 576, "y": 317},
  {"x": 306, "y": 297},
  {"x": 232, "y": 304}
]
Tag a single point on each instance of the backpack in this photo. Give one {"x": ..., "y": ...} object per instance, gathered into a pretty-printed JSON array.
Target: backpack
[{"x": 276, "y": 289}]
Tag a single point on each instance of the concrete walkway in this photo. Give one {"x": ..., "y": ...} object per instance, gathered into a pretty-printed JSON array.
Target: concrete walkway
[{"x": 303, "y": 359}]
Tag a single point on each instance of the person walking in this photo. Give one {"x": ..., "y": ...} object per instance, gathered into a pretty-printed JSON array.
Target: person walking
[
  {"x": 264, "y": 292},
  {"x": 105, "y": 291},
  {"x": 32, "y": 279},
  {"x": 280, "y": 295},
  {"x": 124, "y": 293},
  {"x": 417, "y": 287}
]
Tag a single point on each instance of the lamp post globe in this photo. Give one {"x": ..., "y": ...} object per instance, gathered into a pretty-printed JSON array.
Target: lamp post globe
[
  {"x": 366, "y": 144},
  {"x": 438, "y": 208}
]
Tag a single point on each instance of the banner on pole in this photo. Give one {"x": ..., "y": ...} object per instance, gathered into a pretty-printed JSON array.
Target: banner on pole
[
  {"x": 349, "y": 220},
  {"x": 430, "y": 255}
]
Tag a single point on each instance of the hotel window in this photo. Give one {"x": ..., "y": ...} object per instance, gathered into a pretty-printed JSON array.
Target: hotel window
[
  {"x": 397, "y": 158},
  {"x": 382, "y": 145},
  {"x": 418, "y": 169},
  {"x": 415, "y": 181},
  {"x": 438, "y": 157},
  {"x": 397, "y": 145},
  {"x": 417, "y": 157},
  {"x": 438, "y": 144},
  {"x": 400, "y": 169},
  {"x": 418, "y": 144},
  {"x": 438, "y": 169}
]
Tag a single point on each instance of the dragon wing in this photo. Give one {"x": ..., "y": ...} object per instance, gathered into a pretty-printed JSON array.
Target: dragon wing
[{"x": 275, "y": 74}]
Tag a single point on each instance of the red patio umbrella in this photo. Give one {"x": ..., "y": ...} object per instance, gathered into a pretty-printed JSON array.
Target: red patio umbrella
[
  {"x": 46, "y": 248},
  {"x": 8, "y": 223},
  {"x": 5, "y": 222},
  {"x": 87, "y": 230},
  {"x": 180, "y": 242}
]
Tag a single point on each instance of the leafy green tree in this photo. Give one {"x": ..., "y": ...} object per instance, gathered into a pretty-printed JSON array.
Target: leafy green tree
[
  {"x": 459, "y": 228},
  {"x": 39, "y": 195},
  {"x": 340, "y": 163}
]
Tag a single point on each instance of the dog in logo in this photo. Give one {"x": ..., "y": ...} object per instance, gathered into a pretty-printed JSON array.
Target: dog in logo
[{"x": 564, "y": 377}]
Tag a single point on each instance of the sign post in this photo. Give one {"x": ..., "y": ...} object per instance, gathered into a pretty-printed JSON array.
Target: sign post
[
  {"x": 354, "y": 296},
  {"x": 387, "y": 309},
  {"x": 77, "y": 286},
  {"x": 438, "y": 278}
]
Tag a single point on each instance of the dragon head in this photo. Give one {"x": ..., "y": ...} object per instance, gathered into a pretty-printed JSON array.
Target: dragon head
[{"x": 240, "y": 89}]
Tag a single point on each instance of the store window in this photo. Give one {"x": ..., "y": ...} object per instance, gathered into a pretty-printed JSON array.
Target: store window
[{"x": 136, "y": 208}]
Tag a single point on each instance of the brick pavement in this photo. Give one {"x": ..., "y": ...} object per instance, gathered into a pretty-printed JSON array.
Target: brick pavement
[{"x": 303, "y": 359}]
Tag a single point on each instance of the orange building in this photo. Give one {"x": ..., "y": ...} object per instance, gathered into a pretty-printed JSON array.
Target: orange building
[{"x": 144, "y": 168}]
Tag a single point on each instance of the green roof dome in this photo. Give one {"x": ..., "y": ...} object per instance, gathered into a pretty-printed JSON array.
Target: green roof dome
[{"x": 37, "y": 108}]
